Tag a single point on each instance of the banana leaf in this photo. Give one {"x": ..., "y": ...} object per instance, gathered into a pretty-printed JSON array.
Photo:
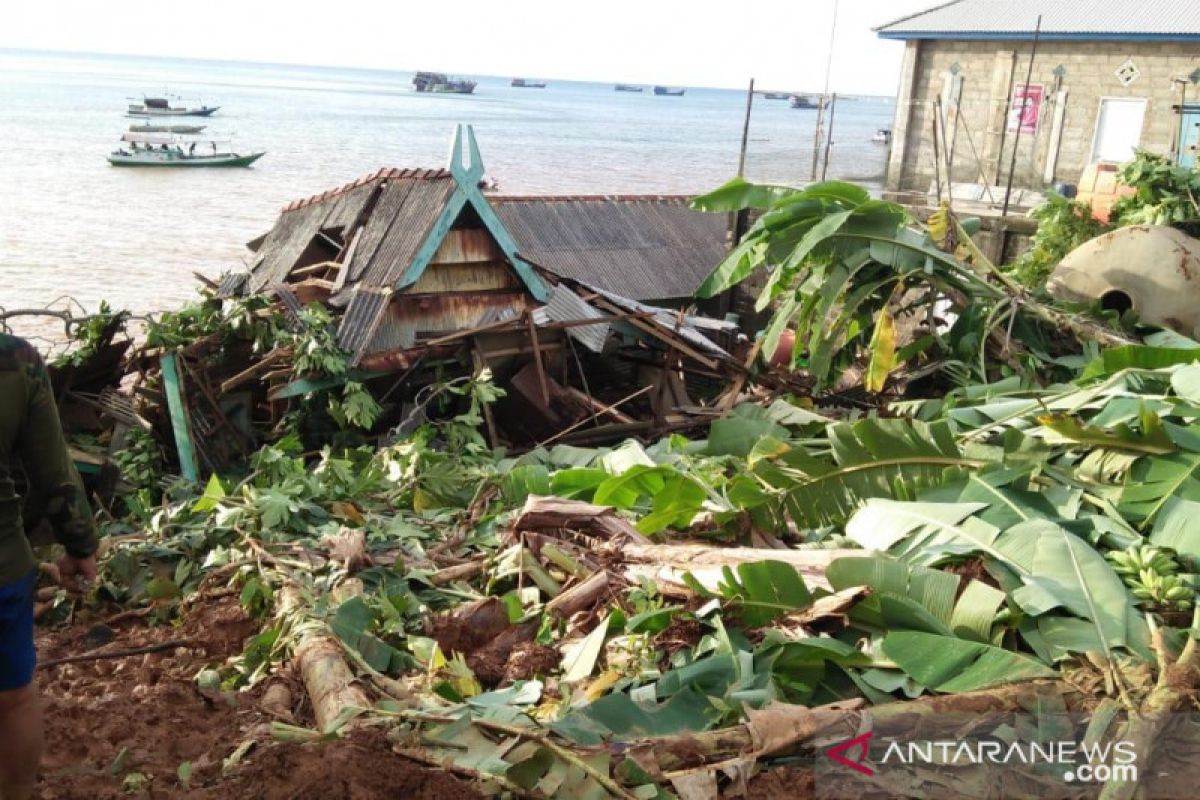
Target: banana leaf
[{"x": 946, "y": 664}]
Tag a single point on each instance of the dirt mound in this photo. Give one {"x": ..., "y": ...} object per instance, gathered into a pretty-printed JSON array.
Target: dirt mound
[
  {"x": 362, "y": 767},
  {"x": 121, "y": 727}
]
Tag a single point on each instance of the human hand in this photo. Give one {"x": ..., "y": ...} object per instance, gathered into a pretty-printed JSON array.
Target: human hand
[{"x": 70, "y": 567}]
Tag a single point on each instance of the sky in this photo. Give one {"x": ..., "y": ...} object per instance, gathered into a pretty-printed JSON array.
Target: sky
[{"x": 781, "y": 43}]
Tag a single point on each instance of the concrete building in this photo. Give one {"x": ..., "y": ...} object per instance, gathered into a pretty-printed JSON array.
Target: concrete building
[{"x": 1106, "y": 78}]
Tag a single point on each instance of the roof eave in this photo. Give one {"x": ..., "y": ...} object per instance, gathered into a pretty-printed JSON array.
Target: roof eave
[{"x": 1043, "y": 36}]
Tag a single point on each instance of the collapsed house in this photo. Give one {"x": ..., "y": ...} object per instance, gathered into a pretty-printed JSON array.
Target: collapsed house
[{"x": 429, "y": 278}]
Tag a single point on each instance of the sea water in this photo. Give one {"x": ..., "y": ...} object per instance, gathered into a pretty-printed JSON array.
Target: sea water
[{"x": 71, "y": 226}]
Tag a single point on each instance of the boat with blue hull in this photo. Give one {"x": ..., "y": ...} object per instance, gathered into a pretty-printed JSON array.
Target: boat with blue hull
[{"x": 668, "y": 91}]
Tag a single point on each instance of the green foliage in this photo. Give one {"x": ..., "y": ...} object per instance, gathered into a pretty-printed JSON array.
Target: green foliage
[
  {"x": 140, "y": 460},
  {"x": 1164, "y": 194},
  {"x": 87, "y": 337},
  {"x": 1063, "y": 225}
]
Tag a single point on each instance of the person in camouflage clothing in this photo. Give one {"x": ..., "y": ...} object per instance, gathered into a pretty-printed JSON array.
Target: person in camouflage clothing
[{"x": 31, "y": 445}]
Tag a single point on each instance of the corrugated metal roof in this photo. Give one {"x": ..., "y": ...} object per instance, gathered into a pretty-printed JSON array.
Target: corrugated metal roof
[
  {"x": 566, "y": 306},
  {"x": 1177, "y": 20},
  {"x": 362, "y": 316},
  {"x": 342, "y": 207},
  {"x": 668, "y": 319},
  {"x": 232, "y": 284},
  {"x": 644, "y": 247},
  {"x": 403, "y": 217}
]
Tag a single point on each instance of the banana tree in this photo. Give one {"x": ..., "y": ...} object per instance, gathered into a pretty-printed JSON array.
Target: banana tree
[{"x": 841, "y": 266}]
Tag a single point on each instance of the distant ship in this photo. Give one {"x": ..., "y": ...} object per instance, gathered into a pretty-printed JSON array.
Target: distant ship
[
  {"x": 628, "y": 87},
  {"x": 776, "y": 95},
  {"x": 667, "y": 91},
  {"x": 882, "y": 136},
  {"x": 161, "y": 107},
  {"x": 521, "y": 83},
  {"x": 438, "y": 83},
  {"x": 801, "y": 101}
]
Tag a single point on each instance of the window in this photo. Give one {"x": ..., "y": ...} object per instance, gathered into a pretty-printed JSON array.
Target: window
[{"x": 1118, "y": 128}]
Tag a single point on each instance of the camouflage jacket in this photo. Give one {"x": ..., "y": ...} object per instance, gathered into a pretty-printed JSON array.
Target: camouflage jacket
[{"x": 32, "y": 444}]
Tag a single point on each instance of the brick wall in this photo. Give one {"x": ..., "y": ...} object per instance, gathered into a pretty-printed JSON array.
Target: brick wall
[{"x": 990, "y": 69}]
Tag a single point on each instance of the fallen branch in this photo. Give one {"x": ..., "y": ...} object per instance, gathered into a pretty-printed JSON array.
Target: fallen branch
[{"x": 133, "y": 651}]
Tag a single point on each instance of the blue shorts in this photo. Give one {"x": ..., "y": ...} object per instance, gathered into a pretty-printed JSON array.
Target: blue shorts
[{"x": 17, "y": 657}]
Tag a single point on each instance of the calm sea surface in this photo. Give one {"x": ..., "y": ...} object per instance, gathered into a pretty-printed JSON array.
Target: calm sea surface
[{"x": 71, "y": 225}]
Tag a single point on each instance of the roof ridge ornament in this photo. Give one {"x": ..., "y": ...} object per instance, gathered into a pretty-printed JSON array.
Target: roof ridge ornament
[{"x": 467, "y": 168}]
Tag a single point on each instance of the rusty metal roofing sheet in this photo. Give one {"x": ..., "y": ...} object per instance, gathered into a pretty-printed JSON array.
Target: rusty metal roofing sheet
[
  {"x": 566, "y": 306},
  {"x": 284, "y": 244},
  {"x": 405, "y": 214},
  {"x": 645, "y": 248},
  {"x": 366, "y": 309}
]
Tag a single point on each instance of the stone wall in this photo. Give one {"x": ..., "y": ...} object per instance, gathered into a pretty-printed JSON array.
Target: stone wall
[{"x": 975, "y": 126}]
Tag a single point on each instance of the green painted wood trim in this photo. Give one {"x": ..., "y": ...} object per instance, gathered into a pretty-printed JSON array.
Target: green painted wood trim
[
  {"x": 466, "y": 178},
  {"x": 173, "y": 388}
]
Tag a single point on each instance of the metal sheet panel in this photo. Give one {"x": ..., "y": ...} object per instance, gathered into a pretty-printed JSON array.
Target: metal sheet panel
[
  {"x": 367, "y": 307},
  {"x": 406, "y": 231},
  {"x": 647, "y": 248},
  {"x": 566, "y": 306}
]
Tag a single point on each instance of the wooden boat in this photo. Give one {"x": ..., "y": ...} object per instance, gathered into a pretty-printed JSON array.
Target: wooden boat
[
  {"x": 667, "y": 91},
  {"x": 151, "y": 150},
  {"x": 161, "y": 107},
  {"x": 438, "y": 83},
  {"x": 801, "y": 101},
  {"x": 776, "y": 95},
  {"x": 521, "y": 83},
  {"x": 628, "y": 87},
  {"x": 147, "y": 127}
]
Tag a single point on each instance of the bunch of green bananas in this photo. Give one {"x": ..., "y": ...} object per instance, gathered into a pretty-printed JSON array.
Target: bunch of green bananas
[{"x": 1151, "y": 573}]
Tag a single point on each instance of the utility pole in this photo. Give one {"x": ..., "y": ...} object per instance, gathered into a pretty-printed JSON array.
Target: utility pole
[
  {"x": 824, "y": 94},
  {"x": 1012, "y": 163}
]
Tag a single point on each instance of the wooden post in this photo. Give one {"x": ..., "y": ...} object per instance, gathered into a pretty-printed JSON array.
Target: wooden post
[
  {"x": 537, "y": 358},
  {"x": 829, "y": 135},
  {"x": 177, "y": 408},
  {"x": 480, "y": 363}
]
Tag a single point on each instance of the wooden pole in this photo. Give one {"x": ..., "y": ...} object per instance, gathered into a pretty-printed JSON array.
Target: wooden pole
[
  {"x": 824, "y": 93},
  {"x": 745, "y": 130},
  {"x": 829, "y": 136},
  {"x": 1012, "y": 163}
]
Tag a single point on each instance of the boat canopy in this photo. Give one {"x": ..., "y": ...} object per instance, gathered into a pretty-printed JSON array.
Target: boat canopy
[{"x": 149, "y": 138}]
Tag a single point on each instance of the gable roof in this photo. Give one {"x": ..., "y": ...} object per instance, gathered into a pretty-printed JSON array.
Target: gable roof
[
  {"x": 1145, "y": 20},
  {"x": 340, "y": 209},
  {"x": 641, "y": 247}
]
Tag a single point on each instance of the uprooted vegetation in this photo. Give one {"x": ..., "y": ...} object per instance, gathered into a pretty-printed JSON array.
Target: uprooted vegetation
[{"x": 985, "y": 505}]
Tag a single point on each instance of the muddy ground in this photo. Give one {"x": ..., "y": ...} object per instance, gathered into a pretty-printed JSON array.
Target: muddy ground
[{"x": 122, "y": 727}]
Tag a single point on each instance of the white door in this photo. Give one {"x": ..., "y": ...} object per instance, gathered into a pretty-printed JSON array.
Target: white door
[{"x": 1118, "y": 129}]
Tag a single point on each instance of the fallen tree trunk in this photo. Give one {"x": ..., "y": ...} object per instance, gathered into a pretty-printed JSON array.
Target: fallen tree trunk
[
  {"x": 668, "y": 562},
  {"x": 329, "y": 682},
  {"x": 780, "y": 727}
]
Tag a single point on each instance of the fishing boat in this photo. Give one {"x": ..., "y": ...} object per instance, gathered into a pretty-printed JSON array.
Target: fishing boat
[
  {"x": 147, "y": 127},
  {"x": 151, "y": 150},
  {"x": 628, "y": 87},
  {"x": 161, "y": 107},
  {"x": 882, "y": 136},
  {"x": 776, "y": 95},
  {"x": 801, "y": 101},
  {"x": 667, "y": 91},
  {"x": 438, "y": 83},
  {"x": 521, "y": 83}
]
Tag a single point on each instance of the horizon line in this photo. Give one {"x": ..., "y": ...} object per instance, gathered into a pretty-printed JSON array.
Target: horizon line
[{"x": 109, "y": 54}]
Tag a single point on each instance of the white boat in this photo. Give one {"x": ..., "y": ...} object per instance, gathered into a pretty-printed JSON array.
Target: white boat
[
  {"x": 882, "y": 136},
  {"x": 162, "y": 150},
  {"x": 161, "y": 107}
]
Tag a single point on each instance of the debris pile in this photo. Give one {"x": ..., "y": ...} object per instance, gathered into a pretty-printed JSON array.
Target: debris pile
[{"x": 987, "y": 511}]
